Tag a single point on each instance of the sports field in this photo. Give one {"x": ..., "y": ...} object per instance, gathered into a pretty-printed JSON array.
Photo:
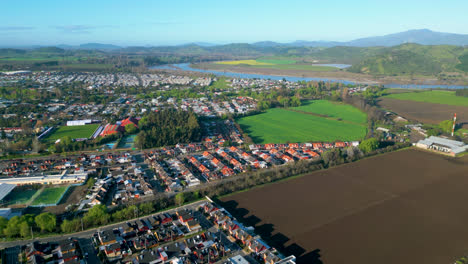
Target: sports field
[
  {"x": 50, "y": 195},
  {"x": 85, "y": 131},
  {"x": 19, "y": 196},
  {"x": 279, "y": 125},
  {"x": 436, "y": 97}
]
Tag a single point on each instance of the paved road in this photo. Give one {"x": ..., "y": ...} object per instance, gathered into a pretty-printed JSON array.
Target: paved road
[{"x": 89, "y": 233}]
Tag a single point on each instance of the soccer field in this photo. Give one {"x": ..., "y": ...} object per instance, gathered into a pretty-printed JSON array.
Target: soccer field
[
  {"x": 279, "y": 125},
  {"x": 85, "y": 131},
  {"x": 50, "y": 195}
]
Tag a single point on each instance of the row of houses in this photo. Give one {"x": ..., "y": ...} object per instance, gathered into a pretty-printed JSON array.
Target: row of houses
[{"x": 237, "y": 232}]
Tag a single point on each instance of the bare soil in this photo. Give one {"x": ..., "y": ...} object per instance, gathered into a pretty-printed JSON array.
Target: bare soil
[
  {"x": 425, "y": 112},
  {"x": 402, "y": 207}
]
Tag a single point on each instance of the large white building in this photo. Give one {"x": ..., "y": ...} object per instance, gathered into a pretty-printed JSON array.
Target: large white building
[
  {"x": 451, "y": 147},
  {"x": 63, "y": 178}
]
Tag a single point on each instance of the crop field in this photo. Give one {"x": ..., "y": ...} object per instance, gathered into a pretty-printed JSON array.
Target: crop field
[
  {"x": 287, "y": 125},
  {"x": 430, "y": 113},
  {"x": 73, "y": 131},
  {"x": 436, "y": 97},
  {"x": 281, "y": 64},
  {"x": 246, "y": 62},
  {"x": 334, "y": 110},
  {"x": 401, "y": 207},
  {"x": 50, "y": 195}
]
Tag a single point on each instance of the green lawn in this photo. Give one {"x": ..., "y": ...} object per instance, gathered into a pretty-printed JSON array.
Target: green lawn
[
  {"x": 281, "y": 125},
  {"x": 437, "y": 97},
  {"x": 333, "y": 110},
  {"x": 19, "y": 196},
  {"x": 73, "y": 131},
  {"x": 50, "y": 195}
]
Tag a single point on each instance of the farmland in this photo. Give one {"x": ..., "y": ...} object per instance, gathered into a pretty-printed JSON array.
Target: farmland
[
  {"x": 410, "y": 213},
  {"x": 436, "y": 97},
  {"x": 73, "y": 131},
  {"x": 276, "y": 63},
  {"x": 333, "y": 110},
  {"x": 288, "y": 125},
  {"x": 430, "y": 113},
  {"x": 50, "y": 195}
]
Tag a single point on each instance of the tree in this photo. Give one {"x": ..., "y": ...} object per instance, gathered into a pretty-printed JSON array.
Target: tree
[
  {"x": 3, "y": 223},
  {"x": 369, "y": 145},
  {"x": 25, "y": 229},
  {"x": 46, "y": 221},
  {"x": 96, "y": 216},
  {"x": 130, "y": 129},
  {"x": 12, "y": 228},
  {"x": 446, "y": 126},
  {"x": 179, "y": 199},
  {"x": 69, "y": 226}
]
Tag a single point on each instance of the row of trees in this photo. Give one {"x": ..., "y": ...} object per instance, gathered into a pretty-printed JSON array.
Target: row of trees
[{"x": 24, "y": 226}]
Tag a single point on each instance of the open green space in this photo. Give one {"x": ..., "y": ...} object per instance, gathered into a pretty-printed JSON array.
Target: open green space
[
  {"x": 19, "y": 196},
  {"x": 333, "y": 110},
  {"x": 279, "y": 125},
  {"x": 50, "y": 195},
  {"x": 277, "y": 63},
  {"x": 73, "y": 131},
  {"x": 436, "y": 97}
]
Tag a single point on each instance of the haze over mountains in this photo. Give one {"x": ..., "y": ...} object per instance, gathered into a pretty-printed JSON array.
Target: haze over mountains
[{"x": 418, "y": 36}]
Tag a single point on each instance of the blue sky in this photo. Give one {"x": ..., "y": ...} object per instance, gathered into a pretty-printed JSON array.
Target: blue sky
[{"x": 168, "y": 22}]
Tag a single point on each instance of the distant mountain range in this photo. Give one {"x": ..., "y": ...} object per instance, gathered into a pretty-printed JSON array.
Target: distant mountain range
[{"x": 418, "y": 36}]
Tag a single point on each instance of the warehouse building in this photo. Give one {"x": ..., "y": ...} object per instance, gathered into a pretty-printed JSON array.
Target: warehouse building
[
  {"x": 63, "y": 178},
  {"x": 444, "y": 145}
]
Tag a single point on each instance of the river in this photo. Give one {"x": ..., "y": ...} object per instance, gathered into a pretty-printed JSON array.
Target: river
[{"x": 186, "y": 67}]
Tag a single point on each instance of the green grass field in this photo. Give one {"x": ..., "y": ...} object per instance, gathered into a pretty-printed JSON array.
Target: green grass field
[
  {"x": 334, "y": 110},
  {"x": 277, "y": 63},
  {"x": 18, "y": 196},
  {"x": 73, "y": 131},
  {"x": 282, "y": 125},
  {"x": 50, "y": 195},
  {"x": 436, "y": 97}
]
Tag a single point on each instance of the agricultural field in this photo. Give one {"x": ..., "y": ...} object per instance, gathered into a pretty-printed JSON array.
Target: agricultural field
[
  {"x": 50, "y": 195},
  {"x": 276, "y": 63},
  {"x": 279, "y": 125},
  {"x": 401, "y": 207},
  {"x": 435, "y": 97},
  {"x": 430, "y": 113},
  {"x": 85, "y": 131},
  {"x": 333, "y": 110}
]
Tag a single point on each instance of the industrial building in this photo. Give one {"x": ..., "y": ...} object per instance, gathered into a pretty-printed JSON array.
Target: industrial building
[
  {"x": 63, "y": 178},
  {"x": 444, "y": 145}
]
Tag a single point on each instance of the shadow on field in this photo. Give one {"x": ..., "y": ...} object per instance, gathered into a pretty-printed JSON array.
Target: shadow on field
[
  {"x": 267, "y": 232},
  {"x": 247, "y": 130}
]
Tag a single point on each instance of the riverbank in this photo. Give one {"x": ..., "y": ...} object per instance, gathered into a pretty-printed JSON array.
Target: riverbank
[{"x": 339, "y": 74}]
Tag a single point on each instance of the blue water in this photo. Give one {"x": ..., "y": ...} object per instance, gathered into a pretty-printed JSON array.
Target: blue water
[
  {"x": 336, "y": 65},
  {"x": 186, "y": 67}
]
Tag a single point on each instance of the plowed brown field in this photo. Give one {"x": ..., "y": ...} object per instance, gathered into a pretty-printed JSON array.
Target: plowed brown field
[{"x": 403, "y": 207}]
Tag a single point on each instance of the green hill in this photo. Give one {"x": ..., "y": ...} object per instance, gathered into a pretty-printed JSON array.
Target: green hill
[{"x": 411, "y": 59}]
